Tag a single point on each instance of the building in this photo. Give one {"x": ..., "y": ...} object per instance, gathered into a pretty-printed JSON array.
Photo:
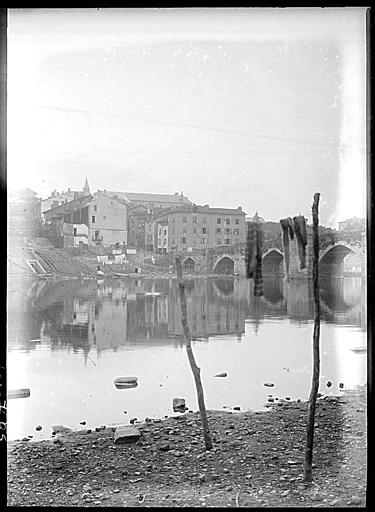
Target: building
[
  {"x": 142, "y": 209},
  {"x": 152, "y": 201},
  {"x": 97, "y": 219},
  {"x": 197, "y": 227},
  {"x": 354, "y": 225},
  {"x": 24, "y": 214},
  {"x": 256, "y": 218},
  {"x": 139, "y": 218},
  {"x": 59, "y": 198}
]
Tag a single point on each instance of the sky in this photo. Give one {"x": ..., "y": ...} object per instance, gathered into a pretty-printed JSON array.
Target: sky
[{"x": 251, "y": 107}]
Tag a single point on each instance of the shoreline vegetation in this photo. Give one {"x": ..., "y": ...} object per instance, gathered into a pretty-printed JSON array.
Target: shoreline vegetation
[{"x": 256, "y": 460}]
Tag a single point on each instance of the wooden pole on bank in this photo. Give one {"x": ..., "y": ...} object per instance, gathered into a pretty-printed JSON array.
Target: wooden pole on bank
[
  {"x": 195, "y": 369},
  {"x": 316, "y": 335}
]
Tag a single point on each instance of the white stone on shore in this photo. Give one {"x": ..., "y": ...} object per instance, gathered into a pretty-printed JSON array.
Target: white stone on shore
[{"x": 126, "y": 434}]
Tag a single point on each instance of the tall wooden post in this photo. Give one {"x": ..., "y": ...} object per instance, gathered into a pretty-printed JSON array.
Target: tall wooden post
[
  {"x": 316, "y": 335},
  {"x": 195, "y": 369}
]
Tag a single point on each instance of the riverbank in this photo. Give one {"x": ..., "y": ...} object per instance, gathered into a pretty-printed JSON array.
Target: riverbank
[{"x": 257, "y": 460}]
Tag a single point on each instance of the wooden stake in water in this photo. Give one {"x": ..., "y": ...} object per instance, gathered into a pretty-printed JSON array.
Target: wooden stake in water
[
  {"x": 195, "y": 369},
  {"x": 316, "y": 335}
]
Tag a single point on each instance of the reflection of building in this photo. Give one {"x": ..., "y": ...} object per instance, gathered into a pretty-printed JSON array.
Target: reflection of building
[
  {"x": 146, "y": 312},
  {"x": 208, "y": 313}
]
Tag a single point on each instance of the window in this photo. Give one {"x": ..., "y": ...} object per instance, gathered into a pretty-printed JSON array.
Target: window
[
  {"x": 204, "y": 220},
  {"x": 165, "y": 231},
  {"x": 104, "y": 217},
  {"x": 218, "y": 220},
  {"x": 184, "y": 219},
  {"x": 237, "y": 221},
  {"x": 227, "y": 231},
  {"x": 204, "y": 230},
  {"x": 95, "y": 208},
  {"x": 227, "y": 241},
  {"x": 218, "y": 242},
  {"x": 96, "y": 234},
  {"x": 195, "y": 219},
  {"x": 236, "y": 231},
  {"x": 74, "y": 231},
  {"x": 227, "y": 221},
  {"x": 218, "y": 230},
  {"x": 184, "y": 229},
  {"x": 203, "y": 241},
  {"x": 93, "y": 219},
  {"x": 195, "y": 231},
  {"x": 183, "y": 240}
]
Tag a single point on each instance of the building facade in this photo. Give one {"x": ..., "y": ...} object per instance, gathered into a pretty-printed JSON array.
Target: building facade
[
  {"x": 142, "y": 209},
  {"x": 96, "y": 219},
  {"x": 354, "y": 225},
  {"x": 152, "y": 201},
  {"x": 60, "y": 198},
  {"x": 198, "y": 227},
  {"x": 24, "y": 213}
]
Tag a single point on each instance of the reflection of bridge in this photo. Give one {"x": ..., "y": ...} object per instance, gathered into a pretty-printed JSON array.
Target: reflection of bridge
[
  {"x": 87, "y": 315},
  {"x": 333, "y": 259}
]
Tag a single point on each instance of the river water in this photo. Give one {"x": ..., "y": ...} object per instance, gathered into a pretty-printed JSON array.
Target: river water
[{"x": 69, "y": 340}]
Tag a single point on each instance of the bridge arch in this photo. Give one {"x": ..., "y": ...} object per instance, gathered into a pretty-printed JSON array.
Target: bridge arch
[
  {"x": 224, "y": 265},
  {"x": 188, "y": 264},
  {"x": 272, "y": 262},
  {"x": 331, "y": 259}
]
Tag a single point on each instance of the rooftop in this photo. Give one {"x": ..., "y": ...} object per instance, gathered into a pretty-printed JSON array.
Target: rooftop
[
  {"x": 152, "y": 198},
  {"x": 204, "y": 209}
]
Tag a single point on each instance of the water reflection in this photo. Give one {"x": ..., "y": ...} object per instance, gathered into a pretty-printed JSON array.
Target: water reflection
[
  {"x": 69, "y": 340},
  {"x": 89, "y": 315}
]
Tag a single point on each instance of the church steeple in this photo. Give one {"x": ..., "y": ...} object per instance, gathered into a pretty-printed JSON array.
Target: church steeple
[{"x": 86, "y": 188}]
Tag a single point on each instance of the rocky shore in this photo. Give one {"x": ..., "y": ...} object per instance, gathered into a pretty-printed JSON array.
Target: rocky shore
[{"x": 257, "y": 460}]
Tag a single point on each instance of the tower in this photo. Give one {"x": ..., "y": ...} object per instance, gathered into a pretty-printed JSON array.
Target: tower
[{"x": 86, "y": 188}]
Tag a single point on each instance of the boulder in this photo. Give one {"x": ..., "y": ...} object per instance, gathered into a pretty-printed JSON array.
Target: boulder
[
  {"x": 60, "y": 429},
  {"x": 179, "y": 404},
  {"x": 126, "y": 434}
]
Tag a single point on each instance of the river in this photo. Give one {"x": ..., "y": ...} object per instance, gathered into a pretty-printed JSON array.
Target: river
[{"x": 69, "y": 340}]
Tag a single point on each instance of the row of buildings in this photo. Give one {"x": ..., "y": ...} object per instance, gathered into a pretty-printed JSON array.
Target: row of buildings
[{"x": 161, "y": 223}]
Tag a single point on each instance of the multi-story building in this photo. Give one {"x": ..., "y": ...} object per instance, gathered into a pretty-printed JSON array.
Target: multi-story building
[
  {"x": 152, "y": 201},
  {"x": 97, "y": 219},
  {"x": 24, "y": 214},
  {"x": 142, "y": 209},
  {"x": 198, "y": 227},
  {"x": 353, "y": 225},
  {"x": 59, "y": 198}
]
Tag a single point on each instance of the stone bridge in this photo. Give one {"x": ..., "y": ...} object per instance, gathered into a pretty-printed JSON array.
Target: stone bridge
[{"x": 337, "y": 258}]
